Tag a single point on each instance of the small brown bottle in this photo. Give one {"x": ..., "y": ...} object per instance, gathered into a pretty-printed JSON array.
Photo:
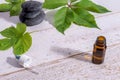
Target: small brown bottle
[{"x": 99, "y": 50}]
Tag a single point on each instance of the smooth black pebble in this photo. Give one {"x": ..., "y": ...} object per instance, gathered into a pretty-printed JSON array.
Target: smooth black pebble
[
  {"x": 33, "y": 21},
  {"x": 31, "y": 6},
  {"x": 30, "y": 14}
]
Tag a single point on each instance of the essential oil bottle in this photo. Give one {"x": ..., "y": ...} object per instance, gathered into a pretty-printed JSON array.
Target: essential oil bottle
[{"x": 99, "y": 50}]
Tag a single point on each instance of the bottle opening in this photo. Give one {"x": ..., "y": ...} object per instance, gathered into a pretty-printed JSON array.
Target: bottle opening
[{"x": 101, "y": 38}]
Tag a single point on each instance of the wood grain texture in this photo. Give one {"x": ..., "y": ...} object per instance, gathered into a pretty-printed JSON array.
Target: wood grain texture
[{"x": 74, "y": 68}]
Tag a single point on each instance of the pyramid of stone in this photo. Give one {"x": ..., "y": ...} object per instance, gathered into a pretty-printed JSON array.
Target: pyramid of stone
[{"x": 32, "y": 13}]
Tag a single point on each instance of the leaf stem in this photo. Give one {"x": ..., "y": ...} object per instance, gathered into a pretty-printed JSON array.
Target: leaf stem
[{"x": 69, "y": 4}]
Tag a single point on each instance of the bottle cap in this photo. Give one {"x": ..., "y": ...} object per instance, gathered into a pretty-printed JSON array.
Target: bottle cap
[
  {"x": 24, "y": 61},
  {"x": 101, "y": 40}
]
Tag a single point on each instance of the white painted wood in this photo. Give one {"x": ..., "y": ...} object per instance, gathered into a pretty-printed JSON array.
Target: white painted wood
[
  {"x": 50, "y": 45},
  {"x": 74, "y": 68}
]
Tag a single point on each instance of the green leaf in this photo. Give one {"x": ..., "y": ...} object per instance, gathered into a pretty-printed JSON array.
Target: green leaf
[
  {"x": 9, "y": 32},
  {"x": 73, "y": 0},
  {"x": 52, "y": 4},
  {"x": 5, "y": 7},
  {"x": 23, "y": 44},
  {"x": 22, "y": 1},
  {"x": 21, "y": 28},
  {"x": 13, "y": 1},
  {"x": 16, "y": 9},
  {"x": 84, "y": 18},
  {"x": 8, "y": 0},
  {"x": 89, "y": 5},
  {"x": 63, "y": 19},
  {"x": 5, "y": 44}
]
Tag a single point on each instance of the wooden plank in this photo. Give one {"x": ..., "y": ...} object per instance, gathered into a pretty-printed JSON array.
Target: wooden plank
[
  {"x": 74, "y": 68},
  {"x": 50, "y": 45}
]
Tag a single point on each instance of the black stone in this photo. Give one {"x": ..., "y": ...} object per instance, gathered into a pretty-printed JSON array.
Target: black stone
[
  {"x": 32, "y": 6},
  {"x": 33, "y": 21},
  {"x": 30, "y": 14}
]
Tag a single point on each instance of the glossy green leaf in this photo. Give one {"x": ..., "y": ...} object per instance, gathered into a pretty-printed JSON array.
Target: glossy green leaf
[
  {"x": 13, "y": 1},
  {"x": 52, "y": 4},
  {"x": 5, "y": 44},
  {"x": 73, "y": 0},
  {"x": 16, "y": 38},
  {"x": 63, "y": 19},
  {"x": 5, "y": 7},
  {"x": 16, "y": 9},
  {"x": 84, "y": 18},
  {"x": 23, "y": 44},
  {"x": 22, "y": 1},
  {"x": 9, "y": 32},
  {"x": 8, "y": 0},
  {"x": 89, "y": 5},
  {"x": 21, "y": 28}
]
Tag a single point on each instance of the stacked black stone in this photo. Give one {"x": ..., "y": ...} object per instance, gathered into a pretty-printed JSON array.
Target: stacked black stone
[{"x": 32, "y": 13}]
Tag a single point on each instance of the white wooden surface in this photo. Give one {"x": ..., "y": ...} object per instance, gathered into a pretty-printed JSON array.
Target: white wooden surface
[{"x": 66, "y": 57}]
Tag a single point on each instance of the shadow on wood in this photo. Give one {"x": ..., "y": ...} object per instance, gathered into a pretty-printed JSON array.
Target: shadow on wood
[
  {"x": 7, "y": 17},
  {"x": 13, "y": 62},
  {"x": 50, "y": 16},
  {"x": 67, "y": 52},
  {"x": 32, "y": 71}
]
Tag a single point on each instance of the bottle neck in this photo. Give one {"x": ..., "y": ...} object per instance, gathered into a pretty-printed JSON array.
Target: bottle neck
[{"x": 101, "y": 41}]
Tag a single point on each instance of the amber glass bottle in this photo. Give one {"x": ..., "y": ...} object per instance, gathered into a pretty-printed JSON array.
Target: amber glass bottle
[{"x": 99, "y": 50}]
